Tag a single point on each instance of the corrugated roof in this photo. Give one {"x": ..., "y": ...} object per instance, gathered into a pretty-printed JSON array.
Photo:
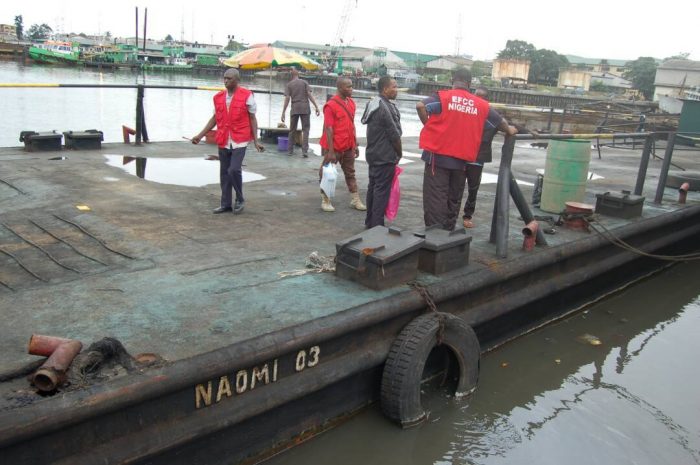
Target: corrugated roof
[
  {"x": 410, "y": 57},
  {"x": 290, "y": 44},
  {"x": 680, "y": 64},
  {"x": 575, "y": 60}
]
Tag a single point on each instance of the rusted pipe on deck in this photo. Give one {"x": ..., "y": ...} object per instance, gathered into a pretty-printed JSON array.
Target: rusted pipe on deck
[
  {"x": 683, "y": 192},
  {"x": 61, "y": 353},
  {"x": 530, "y": 235}
]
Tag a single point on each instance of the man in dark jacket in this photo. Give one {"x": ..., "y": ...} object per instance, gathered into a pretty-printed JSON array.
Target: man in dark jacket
[
  {"x": 494, "y": 123},
  {"x": 383, "y": 150}
]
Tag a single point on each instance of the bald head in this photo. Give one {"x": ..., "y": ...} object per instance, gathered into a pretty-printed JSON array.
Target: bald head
[
  {"x": 295, "y": 73},
  {"x": 344, "y": 86},
  {"x": 482, "y": 92},
  {"x": 231, "y": 79}
]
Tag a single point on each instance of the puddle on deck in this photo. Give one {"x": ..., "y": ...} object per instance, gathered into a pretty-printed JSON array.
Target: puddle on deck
[{"x": 191, "y": 172}]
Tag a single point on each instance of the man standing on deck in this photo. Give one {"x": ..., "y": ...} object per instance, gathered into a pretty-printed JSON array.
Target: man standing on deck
[
  {"x": 383, "y": 150},
  {"x": 299, "y": 92},
  {"x": 339, "y": 141},
  {"x": 453, "y": 121},
  {"x": 236, "y": 125},
  {"x": 494, "y": 123}
]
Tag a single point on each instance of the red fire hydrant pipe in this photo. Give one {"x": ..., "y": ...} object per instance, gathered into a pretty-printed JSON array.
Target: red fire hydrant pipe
[
  {"x": 53, "y": 372},
  {"x": 683, "y": 192},
  {"x": 530, "y": 235}
]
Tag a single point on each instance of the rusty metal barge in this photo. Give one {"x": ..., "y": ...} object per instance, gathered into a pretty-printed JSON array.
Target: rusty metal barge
[{"x": 257, "y": 353}]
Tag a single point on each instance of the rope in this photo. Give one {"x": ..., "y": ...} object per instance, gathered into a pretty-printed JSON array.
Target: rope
[
  {"x": 315, "y": 263},
  {"x": 610, "y": 236},
  {"x": 425, "y": 294}
]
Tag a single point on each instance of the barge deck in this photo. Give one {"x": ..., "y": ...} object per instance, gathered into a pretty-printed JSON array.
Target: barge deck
[{"x": 256, "y": 356}]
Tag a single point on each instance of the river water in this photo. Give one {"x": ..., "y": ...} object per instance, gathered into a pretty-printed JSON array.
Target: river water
[
  {"x": 170, "y": 114},
  {"x": 556, "y": 396}
]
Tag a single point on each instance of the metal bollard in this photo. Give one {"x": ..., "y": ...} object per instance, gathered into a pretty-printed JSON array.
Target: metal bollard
[
  {"x": 530, "y": 235},
  {"x": 683, "y": 192}
]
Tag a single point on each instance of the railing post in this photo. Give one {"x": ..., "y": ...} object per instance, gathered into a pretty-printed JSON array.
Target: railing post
[
  {"x": 644, "y": 164},
  {"x": 501, "y": 216},
  {"x": 561, "y": 123},
  {"x": 139, "y": 113},
  {"x": 663, "y": 175}
]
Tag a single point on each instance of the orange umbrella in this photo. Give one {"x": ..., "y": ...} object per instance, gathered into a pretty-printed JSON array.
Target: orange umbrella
[{"x": 270, "y": 57}]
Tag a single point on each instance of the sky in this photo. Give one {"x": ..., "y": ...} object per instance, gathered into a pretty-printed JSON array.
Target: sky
[{"x": 593, "y": 29}]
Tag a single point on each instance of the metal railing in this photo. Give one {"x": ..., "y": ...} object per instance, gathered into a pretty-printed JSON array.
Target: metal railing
[{"x": 507, "y": 187}]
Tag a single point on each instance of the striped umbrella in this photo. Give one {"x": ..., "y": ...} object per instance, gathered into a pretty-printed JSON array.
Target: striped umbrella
[{"x": 270, "y": 57}]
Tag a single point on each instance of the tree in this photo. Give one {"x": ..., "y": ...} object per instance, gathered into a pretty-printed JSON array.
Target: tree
[
  {"x": 234, "y": 46},
  {"x": 678, "y": 56},
  {"x": 642, "y": 73},
  {"x": 544, "y": 66},
  {"x": 517, "y": 49},
  {"x": 19, "y": 24},
  {"x": 169, "y": 38},
  {"x": 479, "y": 69},
  {"x": 39, "y": 32}
]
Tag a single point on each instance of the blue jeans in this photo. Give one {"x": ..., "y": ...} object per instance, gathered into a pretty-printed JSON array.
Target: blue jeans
[{"x": 231, "y": 174}]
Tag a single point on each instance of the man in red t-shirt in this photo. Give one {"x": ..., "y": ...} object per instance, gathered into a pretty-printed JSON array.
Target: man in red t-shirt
[
  {"x": 339, "y": 141},
  {"x": 453, "y": 122}
]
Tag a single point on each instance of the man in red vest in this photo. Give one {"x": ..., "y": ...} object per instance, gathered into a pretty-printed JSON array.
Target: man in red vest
[
  {"x": 236, "y": 126},
  {"x": 453, "y": 122},
  {"x": 339, "y": 141}
]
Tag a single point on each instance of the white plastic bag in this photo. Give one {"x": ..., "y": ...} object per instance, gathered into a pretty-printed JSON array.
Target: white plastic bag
[{"x": 328, "y": 178}]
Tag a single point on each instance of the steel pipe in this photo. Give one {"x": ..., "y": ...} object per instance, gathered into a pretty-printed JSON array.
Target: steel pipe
[
  {"x": 45, "y": 345},
  {"x": 52, "y": 373},
  {"x": 683, "y": 192},
  {"x": 530, "y": 235}
]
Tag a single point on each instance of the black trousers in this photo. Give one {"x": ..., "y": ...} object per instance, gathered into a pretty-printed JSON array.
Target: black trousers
[
  {"x": 231, "y": 174},
  {"x": 442, "y": 195},
  {"x": 473, "y": 183},
  {"x": 378, "y": 191}
]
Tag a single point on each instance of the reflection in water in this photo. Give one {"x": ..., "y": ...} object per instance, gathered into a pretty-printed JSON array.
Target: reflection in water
[
  {"x": 546, "y": 398},
  {"x": 193, "y": 172}
]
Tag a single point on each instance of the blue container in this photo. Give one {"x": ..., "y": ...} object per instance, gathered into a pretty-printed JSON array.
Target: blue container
[{"x": 282, "y": 143}]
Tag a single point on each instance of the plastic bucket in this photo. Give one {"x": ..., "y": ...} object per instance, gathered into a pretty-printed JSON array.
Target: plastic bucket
[
  {"x": 565, "y": 174},
  {"x": 282, "y": 143}
]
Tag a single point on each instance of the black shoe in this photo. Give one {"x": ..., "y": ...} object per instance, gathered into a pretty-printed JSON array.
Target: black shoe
[
  {"x": 238, "y": 207},
  {"x": 305, "y": 155},
  {"x": 216, "y": 211}
]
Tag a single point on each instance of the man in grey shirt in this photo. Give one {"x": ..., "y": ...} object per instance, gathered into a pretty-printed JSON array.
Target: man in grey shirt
[{"x": 299, "y": 92}]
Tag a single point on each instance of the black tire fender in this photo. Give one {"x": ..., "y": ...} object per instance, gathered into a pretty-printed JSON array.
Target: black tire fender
[{"x": 401, "y": 379}]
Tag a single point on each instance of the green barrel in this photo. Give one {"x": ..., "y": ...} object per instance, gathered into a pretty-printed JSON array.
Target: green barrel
[{"x": 565, "y": 173}]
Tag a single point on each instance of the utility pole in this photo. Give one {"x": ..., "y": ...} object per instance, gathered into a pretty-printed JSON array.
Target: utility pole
[{"x": 458, "y": 36}]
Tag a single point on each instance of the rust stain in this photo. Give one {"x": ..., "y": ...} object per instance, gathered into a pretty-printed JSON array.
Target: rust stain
[{"x": 114, "y": 394}]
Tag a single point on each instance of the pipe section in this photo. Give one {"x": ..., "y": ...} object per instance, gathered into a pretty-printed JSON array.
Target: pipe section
[
  {"x": 61, "y": 353},
  {"x": 530, "y": 235},
  {"x": 683, "y": 192},
  {"x": 44, "y": 345}
]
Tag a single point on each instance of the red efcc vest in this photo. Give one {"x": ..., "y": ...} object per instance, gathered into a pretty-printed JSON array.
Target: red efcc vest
[
  {"x": 456, "y": 130},
  {"x": 233, "y": 120},
  {"x": 344, "y": 125}
]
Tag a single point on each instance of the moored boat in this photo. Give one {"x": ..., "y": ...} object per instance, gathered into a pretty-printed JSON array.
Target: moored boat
[{"x": 55, "y": 52}]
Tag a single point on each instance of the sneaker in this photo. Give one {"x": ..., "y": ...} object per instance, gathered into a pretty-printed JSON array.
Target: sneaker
[
  {"x": 305, "y": 155},
  {"x": 238, "y": 207},
  {"x": 468, "y": 223},
  {"x": 219, "y": 210}
]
